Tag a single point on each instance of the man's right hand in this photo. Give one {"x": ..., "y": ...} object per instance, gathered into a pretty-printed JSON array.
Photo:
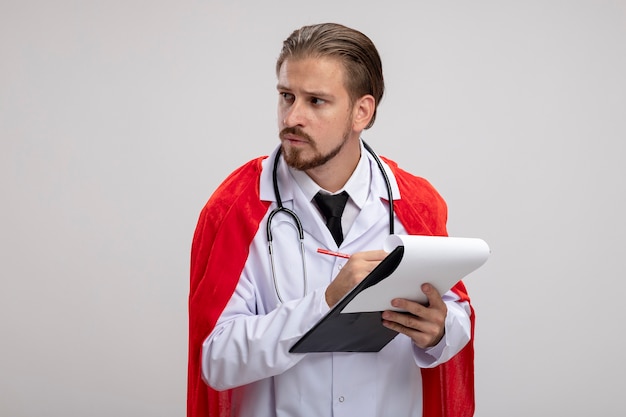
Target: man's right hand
[{"x": 353, "y": 272}]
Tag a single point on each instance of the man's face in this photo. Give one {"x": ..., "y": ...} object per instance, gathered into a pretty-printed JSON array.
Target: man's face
[{"x": 314, "y": 111}]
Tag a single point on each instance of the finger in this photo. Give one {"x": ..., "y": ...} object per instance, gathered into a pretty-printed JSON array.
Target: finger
[
  {"x": 402, "y": 320},
  {"x": 362, "y": 263},
  {"x": 412, "y": 307},
  {"x": 427, "y": 319},
  {"x": 409, "y": 326},
  {"x": 371, "y": 255},
  {"x": 434, "y": 298},
  {"x": 434, "y": 312},
  {"x": 423, "y": 332}
]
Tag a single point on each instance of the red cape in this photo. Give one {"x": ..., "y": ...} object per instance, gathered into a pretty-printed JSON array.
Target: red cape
[{"x": 448, "y": 389}]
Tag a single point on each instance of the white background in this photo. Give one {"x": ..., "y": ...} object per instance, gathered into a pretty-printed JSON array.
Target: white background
[{"x": 119, "y": 118}]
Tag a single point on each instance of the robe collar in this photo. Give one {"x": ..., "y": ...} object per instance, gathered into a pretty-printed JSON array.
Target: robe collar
[{"x": 291, "y": 181}]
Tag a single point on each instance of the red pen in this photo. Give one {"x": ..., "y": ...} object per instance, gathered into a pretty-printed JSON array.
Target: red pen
[{"x": 331, "y": 253}]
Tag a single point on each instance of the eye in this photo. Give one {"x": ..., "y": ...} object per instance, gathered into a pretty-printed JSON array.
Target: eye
[
  {"x": 288, "y": 97},
  {"x": 317, "y": 101}
]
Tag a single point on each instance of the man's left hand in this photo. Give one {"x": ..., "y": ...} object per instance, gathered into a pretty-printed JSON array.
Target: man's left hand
[{"x": 424, "y": 324}]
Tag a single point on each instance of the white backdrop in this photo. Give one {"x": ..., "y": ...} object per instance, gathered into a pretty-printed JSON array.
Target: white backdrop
[{"x": 119, "y": 118}]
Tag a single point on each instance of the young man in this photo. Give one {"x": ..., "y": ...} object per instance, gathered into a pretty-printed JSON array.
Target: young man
[{"x": 248, "y": 305}]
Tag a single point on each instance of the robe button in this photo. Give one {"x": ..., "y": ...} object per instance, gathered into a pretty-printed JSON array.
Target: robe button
[{"x": 341, "y": 399}]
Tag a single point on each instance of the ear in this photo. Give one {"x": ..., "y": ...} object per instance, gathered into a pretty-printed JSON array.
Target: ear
[{"x": 362, "y": 112}]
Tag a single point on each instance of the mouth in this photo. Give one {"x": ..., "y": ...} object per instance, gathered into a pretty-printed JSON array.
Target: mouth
[{"x": 294, "y": 138}]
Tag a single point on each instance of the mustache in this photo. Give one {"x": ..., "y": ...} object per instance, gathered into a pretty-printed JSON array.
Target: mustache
[{"x": 295, "y": 131}]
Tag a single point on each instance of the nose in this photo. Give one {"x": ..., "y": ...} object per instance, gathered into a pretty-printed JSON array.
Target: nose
[{"x": 293, "y": 115}]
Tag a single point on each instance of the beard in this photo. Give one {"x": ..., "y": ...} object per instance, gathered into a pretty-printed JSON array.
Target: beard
[{"x": 295, "y": 158}]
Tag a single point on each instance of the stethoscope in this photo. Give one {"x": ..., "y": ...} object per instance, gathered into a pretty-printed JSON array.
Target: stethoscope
[{"x": 298, "y": 224}]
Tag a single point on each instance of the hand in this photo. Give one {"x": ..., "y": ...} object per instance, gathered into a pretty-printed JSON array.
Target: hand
[
  {"x": 425, "y": 325},
  {"x": 354, "y": 271}
]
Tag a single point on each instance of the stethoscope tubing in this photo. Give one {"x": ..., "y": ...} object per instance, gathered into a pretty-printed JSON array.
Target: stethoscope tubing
[{"x": 298, "y": 224}]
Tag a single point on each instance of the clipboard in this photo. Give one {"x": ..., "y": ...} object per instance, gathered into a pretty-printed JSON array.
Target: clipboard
[
  {"x": 343, "y": 329},
  {"x": 352, "y": 332}
]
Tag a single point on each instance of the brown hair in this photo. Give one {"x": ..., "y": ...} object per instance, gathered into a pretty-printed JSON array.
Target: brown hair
[{"x": 364, "y": 69}]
